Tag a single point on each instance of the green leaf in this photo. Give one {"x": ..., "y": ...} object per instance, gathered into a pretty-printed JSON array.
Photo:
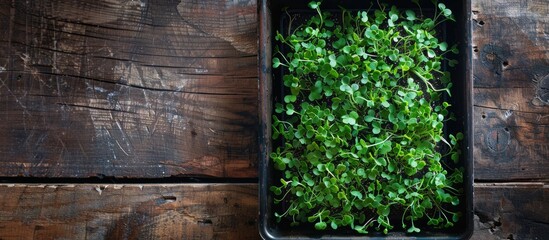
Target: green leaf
[
  {"x": 349, "y": 120},
  {"x": 314, "y": 5},
  {"x": 376, "y": 128},
  {"x": 347, "y": 219},
  {"x": 381, "y": 161},
  {"x": 413, "y": 164},
  {"x": 455, "y": 217},
  {"x": 353, "y": 114},
  {"x": 410, "y": 15},
  {"x": 279, "y": 108},
  {"x": 391, "y": 167},
  {"x": 346, "y": 88},
  {"x": 443, "y": 46},
  {"x": 369, "y": 33},
  {"x": 340, "y": 43},
  {"x": 347, "y": 49},
  {"x": 331, "y": 167},
  {"x": 276, "y": 62},
  {"x": 447, "y": 12},
  {"x": 275, "y": 190},
  {"x": 333, "y": 224},
  {"x": 333, "y": 61},
  {"x": 290, "y": 98},
  {"x": 433, "y": 221},
  {"x": 390, "y": 23},
  {"x": 290, "y": 109},
  {"x": 431, "y": 53},
  {"x": 360, "y": 229},
  {"x": 385, "y": 148},
  {"x": 364, "y": 17},
  {"x": 454, "y": 49},
  {"x": 413, "y": 229},
  {"x": 369, "y": 118},
  {"x": 315, "y": 95},
  {"x": 295, "y": 63},
  {"x": 427, "y": 203},
  {"x": 357, "y": 194},
  {"x": 341, "y": 168},
  {"x": 360, "y": 172},
  {"x": 280, "y": 165},
  {"x": 455, "y": 157}
]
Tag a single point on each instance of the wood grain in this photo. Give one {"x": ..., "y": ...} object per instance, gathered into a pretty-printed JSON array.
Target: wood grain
[
  {"x": 215, "y": 211},
  {"x": 511, "y": 211},
  {"x": 192, "y": 211},
  {"x": 159, "y": 88},
  {"x": 511, "y": 96},
  {"x": 141, "y": 89}
]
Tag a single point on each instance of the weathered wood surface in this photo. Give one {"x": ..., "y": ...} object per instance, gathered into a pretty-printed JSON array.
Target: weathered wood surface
[
  {"x": 511, "y": 89},
  {"x": 214, "y": 211},
  {"x": 139, "y": 88},
  {"x": 192, "y": 211},
  {"x": 511, "y": 211},
  {"x": 159, "y": 88}
]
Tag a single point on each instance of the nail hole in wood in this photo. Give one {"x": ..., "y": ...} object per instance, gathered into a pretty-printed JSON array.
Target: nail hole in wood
[
  {"x": 505, "y": 63},
  {"x": 481, "y": 23},
  {"x": 205, "y": 222},
  {"x": 483, "y": 116},
  {"x": 169, "y": 198}
]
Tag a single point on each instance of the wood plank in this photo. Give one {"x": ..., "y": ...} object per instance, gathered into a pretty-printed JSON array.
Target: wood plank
[
  {"x": 511, "y": 96},
  {"x": 510, "y": 136},
  {"x": 145, "y": 89},
  {"x": 185, "y": 211},
  {"x": 215, "y": 211},
  {"x": 511, "y": 211}
]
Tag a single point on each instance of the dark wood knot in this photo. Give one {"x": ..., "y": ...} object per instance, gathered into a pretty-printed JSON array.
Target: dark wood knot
[{"x": 498, "y": 139}]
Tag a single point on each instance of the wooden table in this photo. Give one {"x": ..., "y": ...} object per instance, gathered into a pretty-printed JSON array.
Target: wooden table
[{"x": 126, "y": 119}]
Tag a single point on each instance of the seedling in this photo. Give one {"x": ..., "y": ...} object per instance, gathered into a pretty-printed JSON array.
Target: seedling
[{"x": 362, "y": 122}]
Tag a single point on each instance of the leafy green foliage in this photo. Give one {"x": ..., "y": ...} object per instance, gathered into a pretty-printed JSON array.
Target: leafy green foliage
[{"x": 362, "y": 122}]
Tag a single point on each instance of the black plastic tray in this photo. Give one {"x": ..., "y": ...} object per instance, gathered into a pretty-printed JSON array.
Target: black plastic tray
[{"x": 271, "y": 16}]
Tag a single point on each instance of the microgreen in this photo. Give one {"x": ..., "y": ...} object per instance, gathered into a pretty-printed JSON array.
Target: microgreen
[{"x": 362, "y": 122}]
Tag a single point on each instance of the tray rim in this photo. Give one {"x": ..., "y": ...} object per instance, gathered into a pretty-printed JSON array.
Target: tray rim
[{"x": 264, "y": 133}]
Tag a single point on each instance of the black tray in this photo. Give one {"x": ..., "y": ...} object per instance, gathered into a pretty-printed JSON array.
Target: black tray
[{"x": 271, "y": 19}]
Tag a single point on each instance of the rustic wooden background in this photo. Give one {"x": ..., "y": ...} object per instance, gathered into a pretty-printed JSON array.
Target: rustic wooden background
[{"x": 157, "y": 89}]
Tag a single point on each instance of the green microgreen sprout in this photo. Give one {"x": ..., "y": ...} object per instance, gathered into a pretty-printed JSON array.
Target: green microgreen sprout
[{"x": 362, "y": 122}]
